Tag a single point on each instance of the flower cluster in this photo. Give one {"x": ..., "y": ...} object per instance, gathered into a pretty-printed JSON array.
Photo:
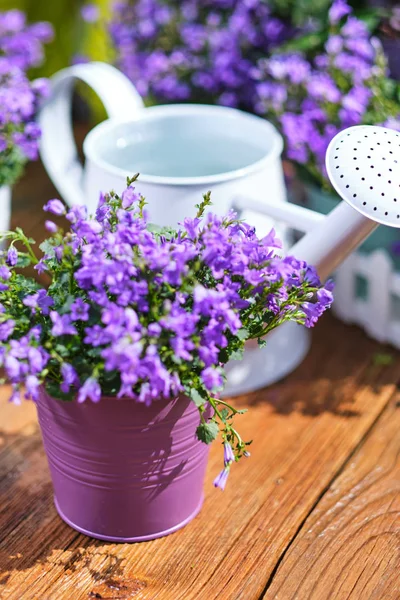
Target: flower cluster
[
  {"x": 194, "y": 49},
  {"x": 311, "y": 100},
  {"x": 139, "y": 312},
  {"x": 21, "y": 47}
]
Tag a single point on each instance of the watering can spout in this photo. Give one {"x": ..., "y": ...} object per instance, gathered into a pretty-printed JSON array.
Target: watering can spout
[
  {"x": 363, "y": 165},
  {"x": 341, "y": 232}
]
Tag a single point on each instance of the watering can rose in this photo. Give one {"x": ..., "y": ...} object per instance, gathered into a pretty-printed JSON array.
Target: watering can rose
[{"x": 140, "y": 312}]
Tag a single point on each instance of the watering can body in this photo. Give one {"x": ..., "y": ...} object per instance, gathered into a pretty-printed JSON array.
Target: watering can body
[
  {"x": 239, "y": 185},
  {"x": 171, "y": 199}
]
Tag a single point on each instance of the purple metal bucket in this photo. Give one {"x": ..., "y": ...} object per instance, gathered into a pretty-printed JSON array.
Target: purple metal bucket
[{"x": 122, "y": 471}]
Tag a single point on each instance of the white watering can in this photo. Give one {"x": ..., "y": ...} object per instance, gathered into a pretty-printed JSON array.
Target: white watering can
[{"x": 182, "y": 151}]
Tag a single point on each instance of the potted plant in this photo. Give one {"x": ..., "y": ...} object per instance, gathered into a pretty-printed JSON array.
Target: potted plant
[
  {"x": 123, "y": 353},
  {"x": 311, "y": 98},
  {"x": 21, "y": 47}
]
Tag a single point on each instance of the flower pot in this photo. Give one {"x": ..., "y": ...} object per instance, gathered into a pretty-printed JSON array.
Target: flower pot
[
  {"x": 384, "y": 237},
  {"x": 123, "y": 471},
  {"x": 5, "y": 207}
]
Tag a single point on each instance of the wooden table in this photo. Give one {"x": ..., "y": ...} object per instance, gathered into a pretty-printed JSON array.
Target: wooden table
[{"x": 314, "y": 513}]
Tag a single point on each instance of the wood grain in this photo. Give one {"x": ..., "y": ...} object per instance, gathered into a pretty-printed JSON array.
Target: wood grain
[
  {"x": 304, "y": 430},
  {"x": 349, "y": 547}
]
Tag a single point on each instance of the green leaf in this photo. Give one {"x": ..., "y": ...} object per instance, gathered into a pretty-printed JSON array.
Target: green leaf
[
  {"x": 67, "y": 305},
  {"x": 196, "y": 397},
  {"x": 383, "y": 359},
  {"x": 237, "y": 354},
  {"x": 207, "y": 432},
  {"x": 243, "y": 334},
  {"x": 53, "y": 389},
  {"x": 224, "y": 414},
  {"x": 262, "y": 342},
  {"x": 153, "y": 228},
  {"x": 306, "y": 43},
  {"x": 24, "y": 260},
  {"x": 62, "y": 350}
]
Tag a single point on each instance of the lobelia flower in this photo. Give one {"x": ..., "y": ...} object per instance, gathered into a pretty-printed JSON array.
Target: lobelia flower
[
  {"x": 51, "y": 226},
  {"x": 39, "y": 301},
  {"x": 12, "y": 256},
  {"x": 61, "y": 324},
  {"x": 79, "y": 310},
  {"x": 6, "y": 329},
  {"x": 159, "y": 313},
  {"x": 209, "y": 54},
  {"x": 21, "y": 47},
  {"x": 324, "y": 93},
  {"x": 229, "y": 457},
  {"x": 221, "y": 479},
  {"x": 90, "y": 389},
  {"x": 212, "y": 379},
  {"x": 56, "y": 207},
  {"x": 90, "y": 13},
  {"x": 69, "y": 378}
]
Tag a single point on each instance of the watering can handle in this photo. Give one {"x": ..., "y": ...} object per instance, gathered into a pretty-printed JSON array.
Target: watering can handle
[{"x": 57, "y": 147}]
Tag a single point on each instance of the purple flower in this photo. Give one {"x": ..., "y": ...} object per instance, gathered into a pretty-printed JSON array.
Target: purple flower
[
  {"x": 13, "y": 368},
  {"x": 212, "y": 379},
  {"x": 32, "y": 387},
  {"x": 221, "y": 479},
  {"x": 56, "y": 207},
  {"x": 229, "y": 456},
  {"x": 61, "y": 324},
  {"x": 6, "y": 329},
  {"x": 90, "y": 13},
  {"x": 51, "y": 226},
  {"x": 90, "y": 389},
  {"x": 79, "y": 310},
  {"x": 41, "y": 267},
  {"x": 338, "y": 10},
  {"x": 129, "y": 197},
  {"x": 16, "y": 396},
  {"x": 76, "y": 213},
  {"x": 21, "y": 47},
  {"x": 40, "y": 300},
  {"x": 214, "y": 57},
  {"x": 12, "y": 256},
  {"x": 5, "y": 273},
  {"x": 70, "y": 378}
]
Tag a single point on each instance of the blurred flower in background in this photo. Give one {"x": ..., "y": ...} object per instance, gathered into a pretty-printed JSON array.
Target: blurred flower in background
[
  {"x": 21, "y": 47},
  {"x": 195, "y": 50},
  {"x": 311, "y": 99}
]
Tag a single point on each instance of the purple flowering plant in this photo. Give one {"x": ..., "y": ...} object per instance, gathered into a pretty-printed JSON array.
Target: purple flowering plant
[
  {"x": 133, "y": 310},
  {"x": 21, "y": 48},
  {"x": 312, "y": 96},
  {"x": 196, "y": 50}
]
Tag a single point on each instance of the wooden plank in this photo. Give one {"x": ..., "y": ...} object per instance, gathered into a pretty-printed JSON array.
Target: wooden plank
[
  {"x": 303, "y": 429},
  {"x": 349, "y": 546}
]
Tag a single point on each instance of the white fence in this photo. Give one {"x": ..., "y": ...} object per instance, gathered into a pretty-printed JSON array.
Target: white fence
[{"x": 378, "y": 312}]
